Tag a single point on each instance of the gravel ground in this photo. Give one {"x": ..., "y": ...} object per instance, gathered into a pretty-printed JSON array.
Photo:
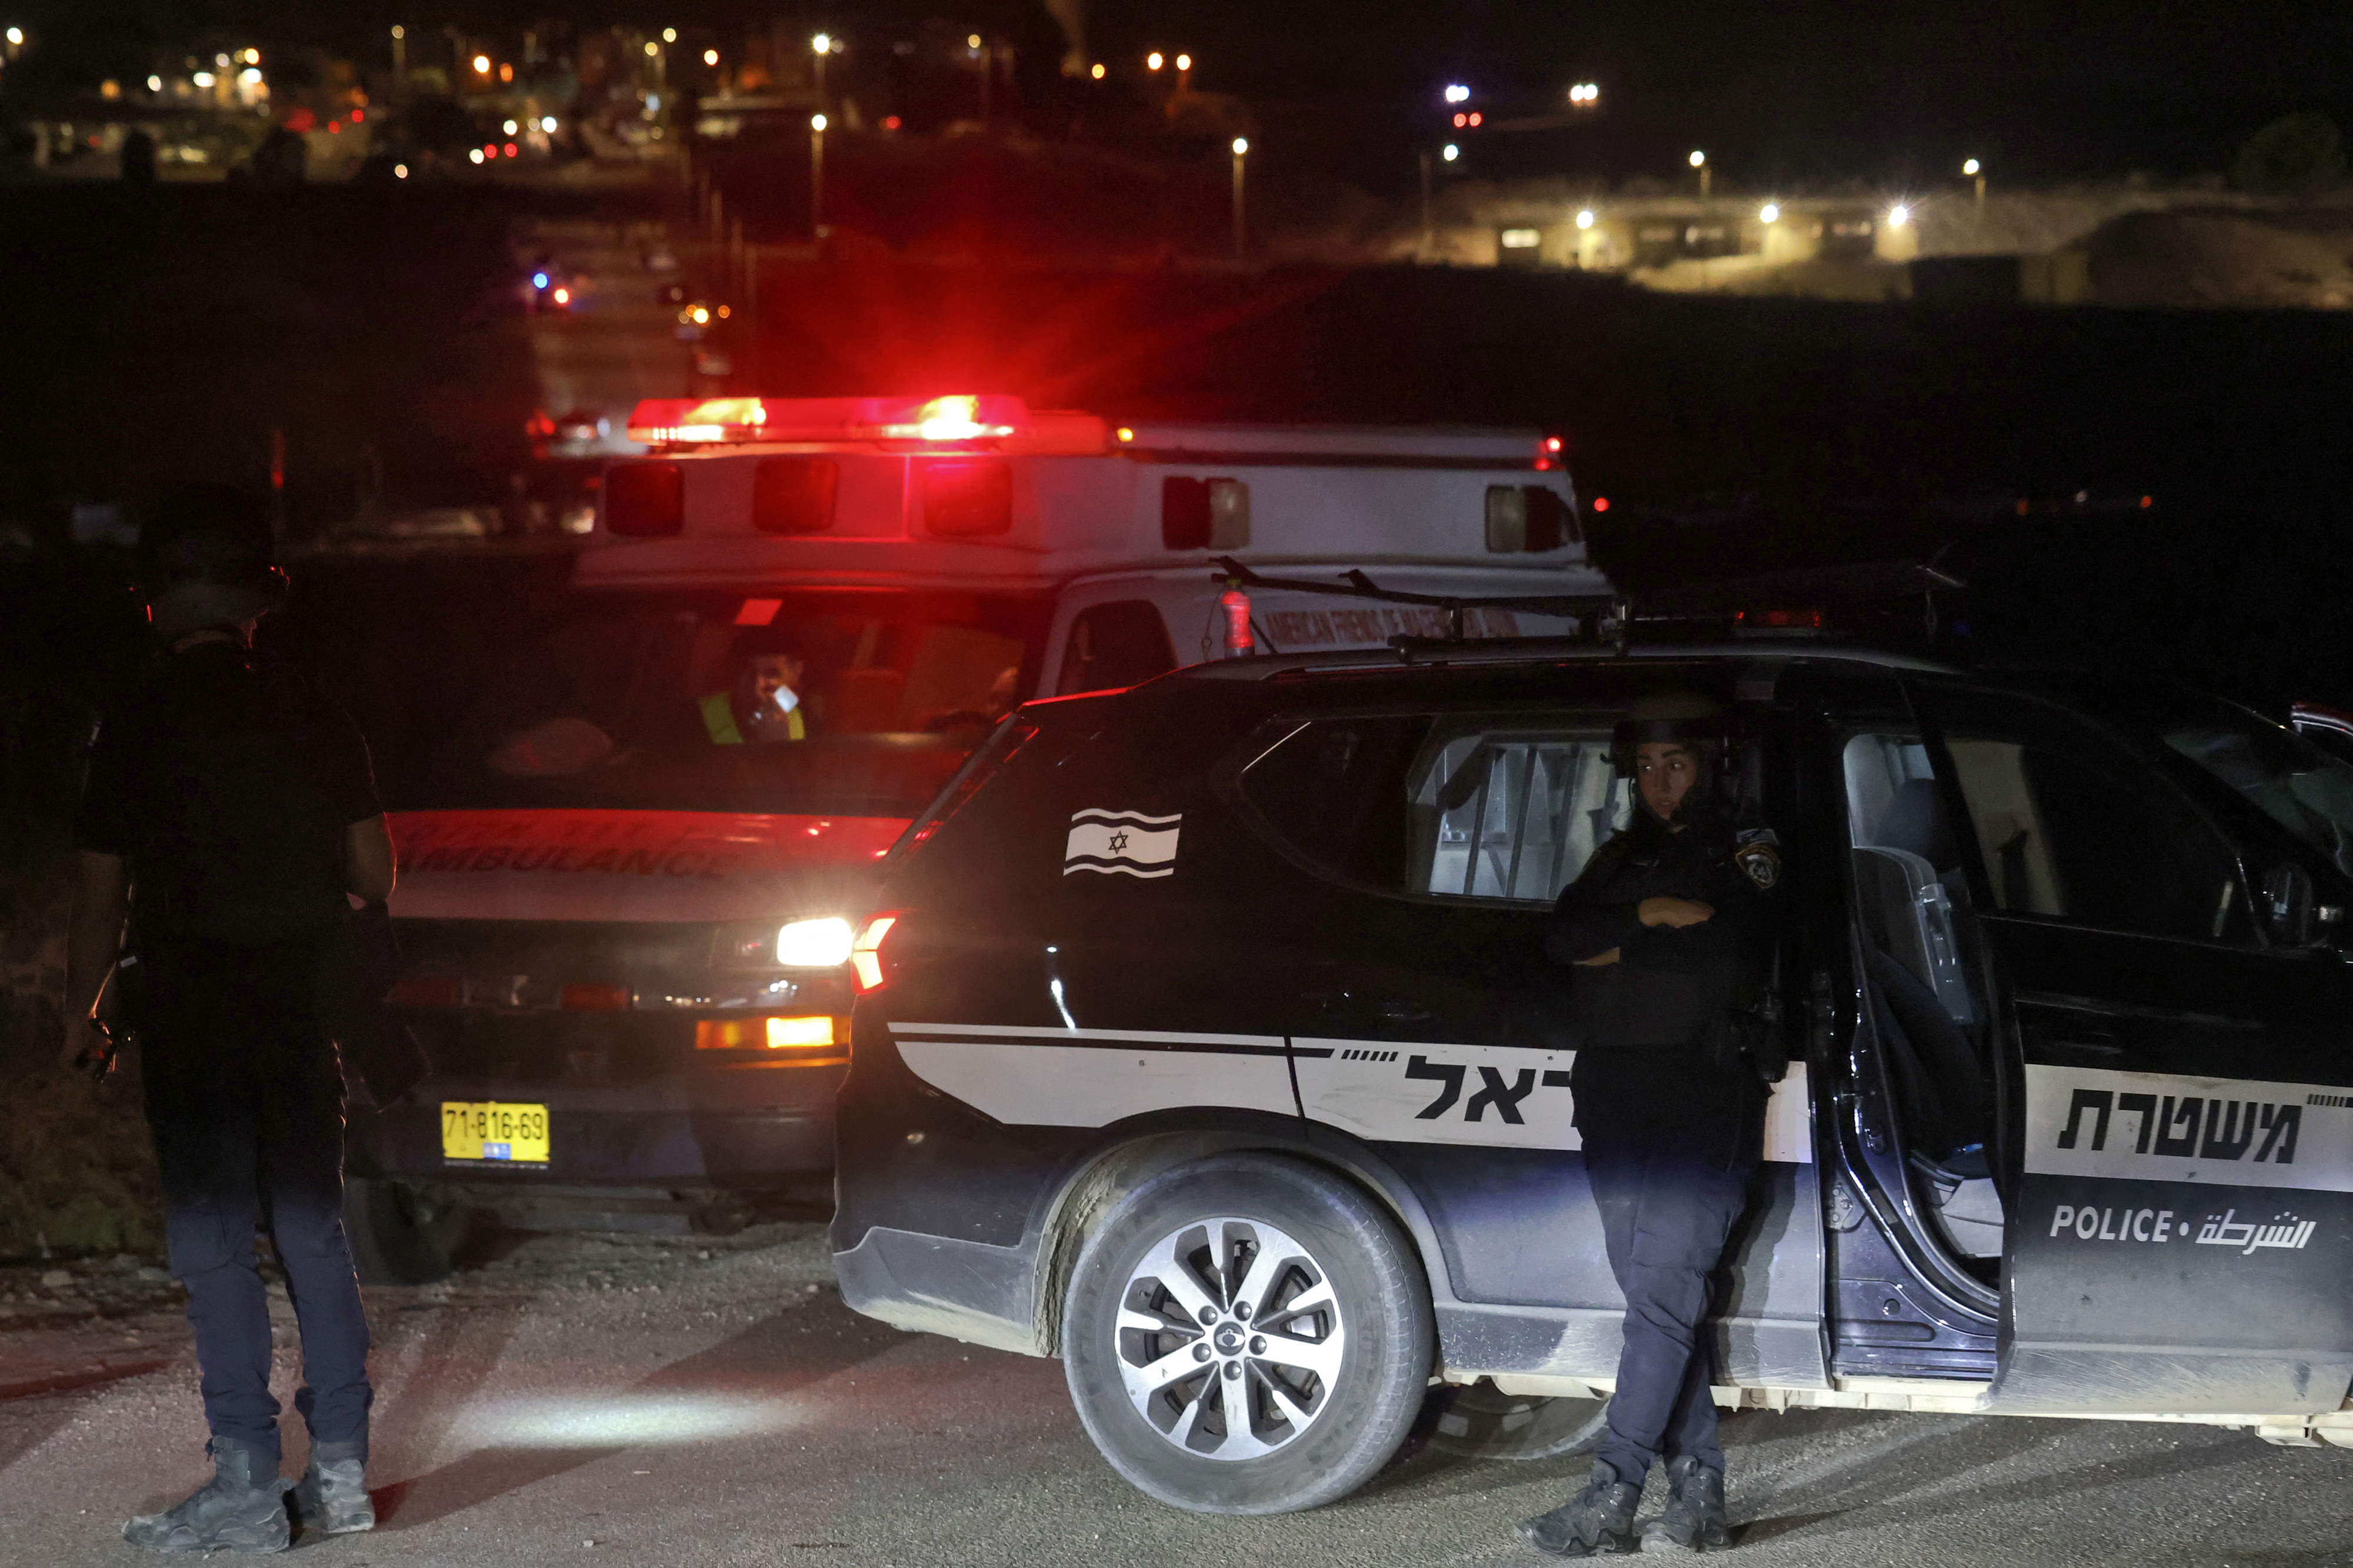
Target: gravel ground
[{"x": 704, "y": 1402}]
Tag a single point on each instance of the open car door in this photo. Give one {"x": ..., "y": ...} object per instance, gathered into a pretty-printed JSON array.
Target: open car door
[{"x": 2181, "y": 1237}]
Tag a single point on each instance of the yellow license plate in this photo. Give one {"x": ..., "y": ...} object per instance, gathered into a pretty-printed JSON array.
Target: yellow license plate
[{"x": 491, "y": 1129}]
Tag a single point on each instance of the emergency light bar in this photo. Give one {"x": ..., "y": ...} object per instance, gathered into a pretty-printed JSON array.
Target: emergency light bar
[{"x": 989, "y": 423}]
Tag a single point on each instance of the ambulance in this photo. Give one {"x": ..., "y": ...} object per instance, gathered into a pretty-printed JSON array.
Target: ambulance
[{"x": 628, "y": 924}]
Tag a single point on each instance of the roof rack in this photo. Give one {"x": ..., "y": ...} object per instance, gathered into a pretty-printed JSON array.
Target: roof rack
[{"x": 1617, "y": 617}]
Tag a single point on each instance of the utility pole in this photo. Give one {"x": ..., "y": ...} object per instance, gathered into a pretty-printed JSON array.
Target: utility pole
[
  {"x": 1242, "y": 150},
  {"x": 816, "y": 176},
  {"x": 1428, "y": 225}
]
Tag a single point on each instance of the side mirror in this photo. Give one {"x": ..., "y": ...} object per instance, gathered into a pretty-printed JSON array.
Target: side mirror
[{"x": 2288, "y": 905}]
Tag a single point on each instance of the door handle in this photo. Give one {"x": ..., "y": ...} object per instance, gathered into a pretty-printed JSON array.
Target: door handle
[
  {"x": 2104, "y": 1050},
  {"x": 2077, "y": 1032}
]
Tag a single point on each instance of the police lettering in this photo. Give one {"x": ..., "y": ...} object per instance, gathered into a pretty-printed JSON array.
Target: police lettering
[
  {"x": 2113, "y": 1224},
  {"x": 2187, "y": 1126},
  {"x": 1494, "y": 1092}
]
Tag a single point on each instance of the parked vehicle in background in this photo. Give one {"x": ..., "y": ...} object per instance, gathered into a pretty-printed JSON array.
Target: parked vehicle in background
[{"x": 628, "y": 924}]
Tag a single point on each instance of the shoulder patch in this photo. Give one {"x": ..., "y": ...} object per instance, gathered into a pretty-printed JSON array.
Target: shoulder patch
[{"x": 1759, "y": 857}]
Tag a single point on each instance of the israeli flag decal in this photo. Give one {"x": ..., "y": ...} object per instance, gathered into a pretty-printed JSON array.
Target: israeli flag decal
[{"x": 1122, "y": 843}]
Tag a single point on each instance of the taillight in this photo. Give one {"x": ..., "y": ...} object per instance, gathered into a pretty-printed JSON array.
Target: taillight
[
  {"x": 587, "y": 998},
  {"x": 866, "y": 952}
]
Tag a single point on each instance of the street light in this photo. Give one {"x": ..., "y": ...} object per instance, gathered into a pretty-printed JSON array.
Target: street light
[
  {"x": 1152, "y": 61},
  {"x": 1184, "y": 62},
  {"x": 1770, "y": 212},
  {"x": 821, "y": 46},
  {"x": 710, "y": 57},
  {"x": 482, "y": 65},
  {"x": 816, "y": 176},
  {"x": 1450, "y": 151},
  {"x": 1242, "y": 150},
  {"x": 1699, "y": 161},
  {"x": 1097, "y": 71},
  {"x": 1975, "y": 171},
  {"x": 1585, "y": 218},
  {"x": 1898, "y": 215}
]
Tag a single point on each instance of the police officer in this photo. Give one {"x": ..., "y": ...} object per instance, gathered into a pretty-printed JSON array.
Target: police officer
[
  {"x": 229, "y": 811},
  {"x": 1668, "y": 931}
]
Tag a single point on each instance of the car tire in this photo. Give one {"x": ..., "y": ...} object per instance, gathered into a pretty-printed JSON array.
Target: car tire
[
  {"x": 1319, "y": 1403},
  {"x": 402, "y": 1234},
  {"x": 1479, "y": 1421}
]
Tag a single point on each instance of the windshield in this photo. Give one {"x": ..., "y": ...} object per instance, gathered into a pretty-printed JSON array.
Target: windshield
[
  {"x": 840, "y": 701},
  {"x": 2295, "y": 784}
]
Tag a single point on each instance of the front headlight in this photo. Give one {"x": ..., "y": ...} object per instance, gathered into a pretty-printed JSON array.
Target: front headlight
[{"x": 814, "y": 944}]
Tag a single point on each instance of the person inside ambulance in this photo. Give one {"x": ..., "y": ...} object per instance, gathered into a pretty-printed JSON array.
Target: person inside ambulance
[
  {"x": 764, "y": 703},
  {"x": 1668, "y": 930}
]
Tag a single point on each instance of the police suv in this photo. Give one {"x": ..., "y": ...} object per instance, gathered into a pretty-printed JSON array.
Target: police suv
[
  {"x": 1205, "y": 1041},
  {"x": 627, "y": 920}
]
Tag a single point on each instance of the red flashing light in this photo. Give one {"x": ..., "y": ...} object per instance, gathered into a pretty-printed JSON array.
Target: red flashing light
[
  {"x": 1460, "y": 121},
  {"x": 1780, "y": 620},
  {"x": 359, "y": 116},
  {"x": 511, "y": 149},
  {"x": 1601, "y": 504},
  {"x": 890, "y": 122},
  {"x": 1552, "y": 443},
  {"x": 866, "y": 953},
  {"x": 2146, "y": 503},
  {"x": 964, "y": 422},
  {"x": 334, "y": 128},
  {"x": 1475, "y": 119}
]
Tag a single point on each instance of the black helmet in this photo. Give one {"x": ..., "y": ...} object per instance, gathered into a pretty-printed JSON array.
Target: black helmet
[
  {"x": 1675, "y": 715},
  {"x": 205, "y": 560}
]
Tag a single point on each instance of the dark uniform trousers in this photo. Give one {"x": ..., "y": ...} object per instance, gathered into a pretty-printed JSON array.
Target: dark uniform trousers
[
  {"x": 245, "y": 1098},
  {"x": 1670, "y": 1169}
]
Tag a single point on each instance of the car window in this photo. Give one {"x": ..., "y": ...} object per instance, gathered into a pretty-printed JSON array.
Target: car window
[
  {"x": 2074, "y": 826},
  {"x": 818, "y": 701},
  {"x": 1444, "y": 805},
  {"x": 1910, "y": 889},
  {"x": 1123, "y": 643},
  {"x": 2293, "y": 782}
]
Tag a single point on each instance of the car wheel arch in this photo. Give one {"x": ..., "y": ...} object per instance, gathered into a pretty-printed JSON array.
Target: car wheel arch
[{"x": 1111, "y": 1171}]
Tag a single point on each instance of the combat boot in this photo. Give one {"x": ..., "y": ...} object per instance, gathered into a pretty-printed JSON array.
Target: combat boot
[
  {"x": 237, "y": 1510},
  {"x": 1695, "y": 1519},
  {"x": 332, "y": 1497},
  {"x": 1599, "y": 1519}
]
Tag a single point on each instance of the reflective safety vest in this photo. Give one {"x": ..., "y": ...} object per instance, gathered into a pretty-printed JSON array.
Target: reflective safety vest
[{"x": 719, "y": 718}]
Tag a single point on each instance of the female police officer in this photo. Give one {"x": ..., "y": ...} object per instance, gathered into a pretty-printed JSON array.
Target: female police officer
[{"x": 1669, "y": 929}]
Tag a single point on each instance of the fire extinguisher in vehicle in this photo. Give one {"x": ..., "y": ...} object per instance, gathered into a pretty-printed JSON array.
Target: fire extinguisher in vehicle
[{"x": 1236, "y": 603}]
